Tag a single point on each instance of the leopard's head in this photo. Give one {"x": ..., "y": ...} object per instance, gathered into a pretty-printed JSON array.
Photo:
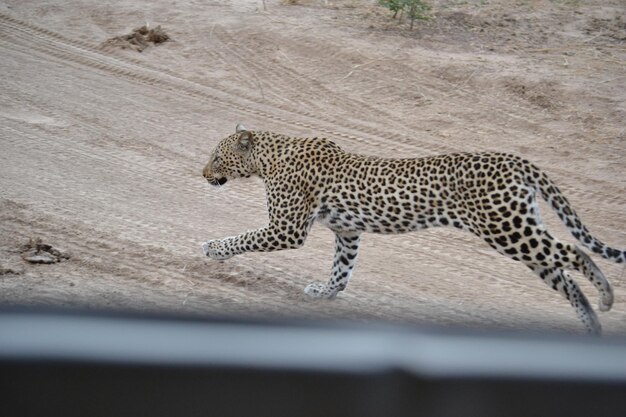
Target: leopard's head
[{"x": 230, "y": 158}]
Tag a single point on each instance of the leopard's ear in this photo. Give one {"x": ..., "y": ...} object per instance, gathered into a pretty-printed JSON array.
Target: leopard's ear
[
  {"x": 244, "y": 142},
  {"x": 240, "y": 128}
]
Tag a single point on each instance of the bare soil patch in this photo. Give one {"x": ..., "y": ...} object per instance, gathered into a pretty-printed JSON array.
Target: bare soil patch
[
  {"x": 139, "y": 39},
  {"x": 543, "y": 94}
]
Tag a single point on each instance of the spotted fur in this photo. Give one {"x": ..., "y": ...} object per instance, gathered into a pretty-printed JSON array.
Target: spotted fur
[{"x": 492, "y": 195}]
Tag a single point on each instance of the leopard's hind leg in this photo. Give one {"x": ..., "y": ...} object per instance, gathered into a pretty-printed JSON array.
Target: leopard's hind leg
[
  {"x": 561, "y": 281},
  {"x": 551, "y": 253},
  {"x": 549, "y": 258},
  {"x": 583, "y": 263},
  {"x": 521, "y": 235}
]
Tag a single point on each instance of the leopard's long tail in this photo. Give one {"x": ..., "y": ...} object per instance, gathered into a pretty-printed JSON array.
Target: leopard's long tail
[{"x": 537, "y": 179}]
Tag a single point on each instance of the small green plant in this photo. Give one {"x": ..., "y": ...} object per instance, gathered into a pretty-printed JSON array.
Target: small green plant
[
  {"x": 414, "y": 9},
  {"x": 394, "y": 5},
  {"x": 417, "y": 9}
]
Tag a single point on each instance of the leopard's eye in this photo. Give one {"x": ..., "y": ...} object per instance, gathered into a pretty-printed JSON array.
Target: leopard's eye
[{"x": 216, "y": 162}]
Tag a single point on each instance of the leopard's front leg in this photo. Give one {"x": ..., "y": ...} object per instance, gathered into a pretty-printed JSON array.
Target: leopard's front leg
[
  {"x": 288, "y": 228},
  {"x": 346, "y": 251},
  {"x": 266, "y": 239}
]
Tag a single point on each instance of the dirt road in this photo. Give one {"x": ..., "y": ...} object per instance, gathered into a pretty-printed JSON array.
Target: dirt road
[{"x": 102, "y": 148}]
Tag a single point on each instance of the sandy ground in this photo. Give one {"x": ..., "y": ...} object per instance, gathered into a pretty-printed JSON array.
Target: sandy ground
[{"x": 101, "y": 148}]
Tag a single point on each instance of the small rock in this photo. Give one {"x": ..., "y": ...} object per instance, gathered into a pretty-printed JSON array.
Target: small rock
[
  {"x": 43, "y": 258},
  {"x": 37, "y": 252}
]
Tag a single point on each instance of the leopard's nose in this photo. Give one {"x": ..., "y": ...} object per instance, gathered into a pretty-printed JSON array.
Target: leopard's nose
[{"x": 217, "y": 181}]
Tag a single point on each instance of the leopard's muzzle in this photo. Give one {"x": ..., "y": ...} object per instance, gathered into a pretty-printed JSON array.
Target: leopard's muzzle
[{"x": 217, "y": 181}]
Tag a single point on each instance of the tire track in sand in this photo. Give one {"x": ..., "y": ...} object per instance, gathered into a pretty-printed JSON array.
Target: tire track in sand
[{"x": 82, "y": 53}]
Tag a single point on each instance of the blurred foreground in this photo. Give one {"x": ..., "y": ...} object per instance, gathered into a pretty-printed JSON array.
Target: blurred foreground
[{"x": 54, "y": 364}]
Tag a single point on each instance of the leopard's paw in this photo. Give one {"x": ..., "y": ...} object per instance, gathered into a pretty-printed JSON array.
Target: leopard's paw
[
  {"x": 316, "y": 290},
  {"x": 215, "y": 249}
]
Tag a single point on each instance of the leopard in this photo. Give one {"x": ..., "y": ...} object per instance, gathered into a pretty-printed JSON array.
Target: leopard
[{"x": 490, "y": 194}]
